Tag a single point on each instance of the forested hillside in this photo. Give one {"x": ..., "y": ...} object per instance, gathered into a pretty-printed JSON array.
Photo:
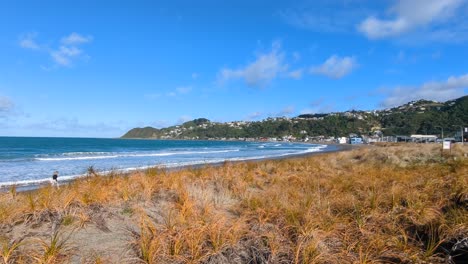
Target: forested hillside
[{"x": 418, "y": 117}]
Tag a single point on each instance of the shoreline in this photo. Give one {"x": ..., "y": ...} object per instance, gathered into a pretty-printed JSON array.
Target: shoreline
[{"x": 331, "y": 147}]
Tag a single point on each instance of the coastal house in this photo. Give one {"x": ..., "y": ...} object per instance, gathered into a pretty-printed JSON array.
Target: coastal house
[
  {"x": 423, "y": 138},
  {"x": 342, "y": 140}
]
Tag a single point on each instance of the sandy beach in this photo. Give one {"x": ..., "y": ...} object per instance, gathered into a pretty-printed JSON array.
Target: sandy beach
[{"x": 385, "y": 203}]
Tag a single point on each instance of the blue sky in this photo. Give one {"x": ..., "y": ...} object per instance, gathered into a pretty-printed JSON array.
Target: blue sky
[{"x": 99, "y": 68}]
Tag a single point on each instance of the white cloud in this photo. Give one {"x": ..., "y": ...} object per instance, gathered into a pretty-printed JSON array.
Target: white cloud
[
  {"x": 409, "y": 16},
  {"x": 260, "y": 72},
  {"x": 6, "y": 105},
  {"x": 336, "y": 67},
  {"x": 254, "y": 115},
  {"x": 452, "y": 88},
  {"x": 296, "y": 74},
  {"x": 28, "y": 41},
  {"x": 76, "y": 39},
  {"x": 375, "y": 28},
  {"x": 63, "y": 55},
  {"x": 195, "y": 75},
  {"x": 325, "y": 16}
]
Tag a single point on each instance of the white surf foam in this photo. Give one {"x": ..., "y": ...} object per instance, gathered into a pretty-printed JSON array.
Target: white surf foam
[{"x": 136, "y": 155}]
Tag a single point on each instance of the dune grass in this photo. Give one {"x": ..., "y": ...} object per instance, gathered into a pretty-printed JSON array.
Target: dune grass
[{"x": 382, "y": 204}]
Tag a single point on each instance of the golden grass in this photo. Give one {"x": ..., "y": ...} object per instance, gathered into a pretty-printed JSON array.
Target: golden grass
[{"x": 392, "y": 203}]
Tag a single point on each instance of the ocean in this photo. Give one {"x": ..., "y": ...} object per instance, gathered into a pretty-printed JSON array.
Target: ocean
[{"x": 29, "y": 161}]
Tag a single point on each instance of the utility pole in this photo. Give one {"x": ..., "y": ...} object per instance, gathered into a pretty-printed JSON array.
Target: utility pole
[
  {"x": 461, "y": 135},
  {"x": 442, "y": 132},
  {"x": 466, "y": 129}
]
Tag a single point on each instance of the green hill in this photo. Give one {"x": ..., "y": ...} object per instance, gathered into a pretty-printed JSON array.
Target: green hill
[
  {"x": 146, "y": 132},
  {"x": 417, "y": 117}
]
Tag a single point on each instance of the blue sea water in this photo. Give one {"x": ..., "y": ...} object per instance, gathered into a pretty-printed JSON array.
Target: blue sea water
[{"x": 31, "y": 161}]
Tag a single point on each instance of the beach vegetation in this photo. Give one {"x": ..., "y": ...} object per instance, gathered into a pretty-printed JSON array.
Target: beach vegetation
[
  {"x": 55, "y": 249},
  {"x": 9, "y": 250}
]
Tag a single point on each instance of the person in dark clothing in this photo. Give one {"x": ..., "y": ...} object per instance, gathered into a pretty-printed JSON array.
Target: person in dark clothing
[{"x": 55, "y": 179}]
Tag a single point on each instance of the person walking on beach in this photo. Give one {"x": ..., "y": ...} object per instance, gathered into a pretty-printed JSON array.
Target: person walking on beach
[{"x": 55, "y": 179}]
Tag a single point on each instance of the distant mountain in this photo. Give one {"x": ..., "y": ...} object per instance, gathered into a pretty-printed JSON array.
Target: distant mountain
[{"x": 416, "y": 117}]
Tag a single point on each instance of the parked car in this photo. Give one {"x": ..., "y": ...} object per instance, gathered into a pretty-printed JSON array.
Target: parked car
[
  {"x": 449, "y": 139},
  {"x": 355, "y": 140}
]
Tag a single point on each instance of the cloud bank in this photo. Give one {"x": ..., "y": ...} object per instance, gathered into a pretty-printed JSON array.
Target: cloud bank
[
  {"x": 451, "y": 88},
  {"x": 408, "y": 16}
]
